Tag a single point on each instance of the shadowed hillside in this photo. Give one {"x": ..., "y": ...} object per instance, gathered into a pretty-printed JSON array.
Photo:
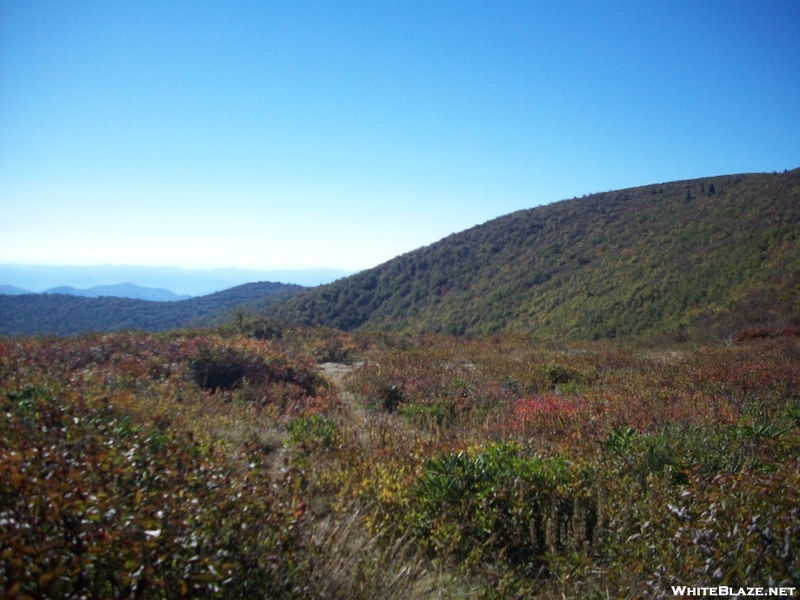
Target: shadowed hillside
[
  {"x": 719, "y": 251},
  {"x": 66, "y": 315}
]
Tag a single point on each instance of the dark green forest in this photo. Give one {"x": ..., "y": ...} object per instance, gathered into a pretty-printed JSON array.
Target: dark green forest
[
  {"x": 62, "y": 314},
  {"x": 711, "y": 255}
]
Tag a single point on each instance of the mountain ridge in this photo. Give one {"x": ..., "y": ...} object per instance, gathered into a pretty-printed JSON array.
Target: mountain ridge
[
  {"x": 192, "y": 282},
  {"x": 62, "y": 314},
  {"x": 120, "y": 290},
  {"x": 650, "y": 260},
  {"x": 12, "y": 290}
]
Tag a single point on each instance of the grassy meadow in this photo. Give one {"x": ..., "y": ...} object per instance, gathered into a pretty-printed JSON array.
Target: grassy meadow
[{"x": 258, "y": 460}]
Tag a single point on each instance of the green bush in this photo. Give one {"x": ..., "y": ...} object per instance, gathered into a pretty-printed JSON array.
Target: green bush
[
  {"x": 499, "y": 502},
  {"x": 313, "y": 432},
  {"x": 425, "y": 415}
]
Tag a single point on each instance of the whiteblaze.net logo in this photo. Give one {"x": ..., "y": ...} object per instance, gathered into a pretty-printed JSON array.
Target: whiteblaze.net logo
[{"x": 735, "y": 592}]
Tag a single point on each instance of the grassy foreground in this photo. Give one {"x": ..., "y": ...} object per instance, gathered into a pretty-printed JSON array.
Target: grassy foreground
[{"x": 226, "y": 464}]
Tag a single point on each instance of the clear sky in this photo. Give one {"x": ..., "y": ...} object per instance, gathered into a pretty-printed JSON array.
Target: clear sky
[{"x": 339, "y": 134}]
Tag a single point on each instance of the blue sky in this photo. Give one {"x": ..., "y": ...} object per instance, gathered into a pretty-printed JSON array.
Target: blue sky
[{"x": 287, "y": 135}]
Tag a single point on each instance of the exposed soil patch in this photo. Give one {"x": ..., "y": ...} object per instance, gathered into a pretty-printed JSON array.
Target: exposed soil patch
[{"x": 337, "y": 372}]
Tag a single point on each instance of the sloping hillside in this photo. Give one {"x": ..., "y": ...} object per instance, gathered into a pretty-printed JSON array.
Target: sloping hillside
[
  {"x": 639, "y": 261},
  {"x": 65, "y": 315}
]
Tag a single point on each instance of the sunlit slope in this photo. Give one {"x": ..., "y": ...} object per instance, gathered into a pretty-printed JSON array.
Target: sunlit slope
[{"x": 639, "y": 261}]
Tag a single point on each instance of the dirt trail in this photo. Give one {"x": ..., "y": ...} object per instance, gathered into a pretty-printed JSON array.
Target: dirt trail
[{"x": 336, "y": 373}]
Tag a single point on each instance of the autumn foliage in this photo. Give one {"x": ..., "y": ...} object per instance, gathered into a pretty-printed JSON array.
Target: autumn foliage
[
  {"x": 223, "y": 464},
  {"x": 114, "y": 482}
]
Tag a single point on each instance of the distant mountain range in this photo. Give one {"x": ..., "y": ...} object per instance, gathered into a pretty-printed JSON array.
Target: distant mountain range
[
  {"x": 183, "y": 282},
  {"x": 63, "y": 314},
  {"x": 11, "y": 290},
  {"x": 121, "y": 290},
  {"x": 717, "y": 253}
]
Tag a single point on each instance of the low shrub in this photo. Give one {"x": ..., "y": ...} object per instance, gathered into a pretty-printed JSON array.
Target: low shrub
[
  {"x": 424, "y": 415},
  {"x": 224, "y": 368},
  {"x": 388, "y": 397},
  {"x": 220, "y": 367},
  {"x": 313, "y": 432},
  {"x": 764, "y": 332},
  {"x": 96, "y": 504},
  {"x": 496, "y": 501}
]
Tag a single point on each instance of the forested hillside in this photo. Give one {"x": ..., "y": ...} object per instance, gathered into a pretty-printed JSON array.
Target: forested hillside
[
  {"x": 719, "y": 252},
  {"x": 65, "y": 315}
]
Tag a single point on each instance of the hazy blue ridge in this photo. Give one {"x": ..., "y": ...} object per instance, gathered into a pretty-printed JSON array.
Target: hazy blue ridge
[
  {"x": 12, "y": 290},
  {"x": 191, "y": 282},
  {"x": 121, "y": 290},
  {"x": 64, "y": 314}
]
